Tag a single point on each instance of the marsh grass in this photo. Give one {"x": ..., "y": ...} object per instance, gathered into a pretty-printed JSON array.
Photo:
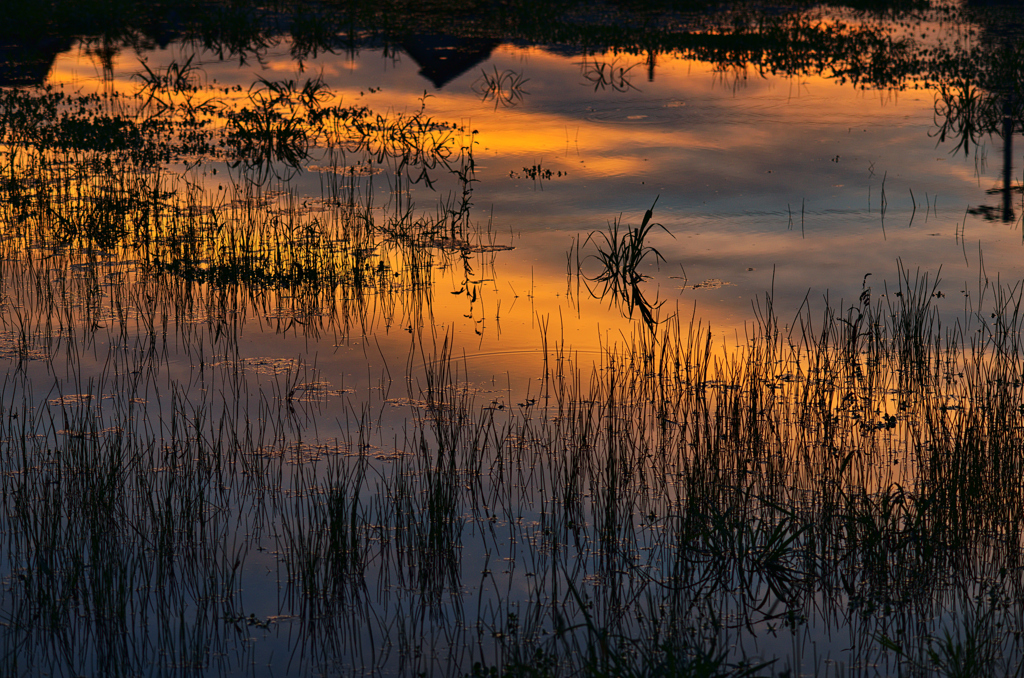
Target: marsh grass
[
  {"x": 672, "y": 508},
  {"x": 621, "y": 256},
  {"x": 766, "y": 483},
  {"x": 504, "y": 88},
  {"x": 326, "y": 538},
  {"x": 155, "y": 451},
  {"x": 855, "y": 469},
  {"x": 336, "y": 261},
  {"x": 848, "y": 468}
]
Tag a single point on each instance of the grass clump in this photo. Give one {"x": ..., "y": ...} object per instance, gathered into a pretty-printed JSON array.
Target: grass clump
[{"x": 621, "y": 256}]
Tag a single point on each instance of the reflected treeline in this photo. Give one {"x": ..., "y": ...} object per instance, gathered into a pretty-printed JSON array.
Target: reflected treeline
[
  {"x": 855, "y": 43},
  {"x": 981, "y": 95},
  {"x": 875, "y": 44}
]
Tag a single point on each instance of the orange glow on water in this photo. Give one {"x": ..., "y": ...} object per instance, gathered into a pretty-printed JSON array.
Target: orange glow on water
[{"x": 764, "y": 182}]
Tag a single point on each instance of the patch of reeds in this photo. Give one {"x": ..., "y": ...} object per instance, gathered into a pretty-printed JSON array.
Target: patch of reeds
[
  {"x": 780, "y": 488},
  {"x": 333, "y": 260}
]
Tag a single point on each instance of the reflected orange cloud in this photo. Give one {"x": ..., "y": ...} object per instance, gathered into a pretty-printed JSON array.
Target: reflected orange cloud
[{"x": 742, "y": 164}]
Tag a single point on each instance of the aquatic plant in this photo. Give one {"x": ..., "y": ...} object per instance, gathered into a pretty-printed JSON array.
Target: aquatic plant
[
  {"x": 174, "y": 505},
  {"x": 504, "y": 88},
  {"x": 621, "y": 256}
]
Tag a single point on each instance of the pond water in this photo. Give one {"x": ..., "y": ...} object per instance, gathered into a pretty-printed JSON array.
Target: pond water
[
  {"x": 689, "y": 349},
  {"x": 762, "y": 181}
]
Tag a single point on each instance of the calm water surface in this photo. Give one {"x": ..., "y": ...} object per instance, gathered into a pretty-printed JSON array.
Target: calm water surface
[
  {"x": 797, "y": 186},
  {"x": 764, "y": 182}
]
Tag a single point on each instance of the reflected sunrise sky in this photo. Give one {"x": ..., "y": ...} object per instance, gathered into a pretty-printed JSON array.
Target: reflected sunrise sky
[
  {"x": 766, "y": 183},
  {"x": 402, "y": 336}
]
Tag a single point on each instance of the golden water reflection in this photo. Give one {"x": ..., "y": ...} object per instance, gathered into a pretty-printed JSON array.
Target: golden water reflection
[
  {"x": 345, "y": 309},
  {"x": 765, "y": 182}
]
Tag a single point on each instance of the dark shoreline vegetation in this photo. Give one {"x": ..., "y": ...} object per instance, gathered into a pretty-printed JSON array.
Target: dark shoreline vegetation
[
  {"x": 872, "y": 44},
  {"x": 869, "y": 44},
  {"x": 850, "y": 471}
]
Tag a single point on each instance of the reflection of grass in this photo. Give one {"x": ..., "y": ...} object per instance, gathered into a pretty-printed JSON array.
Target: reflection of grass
[
  {"x": 325, "y": 539},
  {"x": 966, "y": 114},
  {"x": 971, "y": 649},
  {"x": 264, "y": 135},
  {"x": 608, "y": 74},
  {"x": 621, "y": 256},
  {"x": 83, "y": 181},
  {"x": 737, "y": 445},
  {"x": 93, "y": 131},
  {"x": 660, "y": 506},
  {"x": 504, "y": 88},
  {"x": 856, "y": 474},
  {"x": 175, "y": 79},
  {"x": 277, "y": 126}
]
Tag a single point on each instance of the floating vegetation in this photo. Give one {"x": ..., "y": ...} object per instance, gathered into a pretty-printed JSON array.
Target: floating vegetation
[
  {"x": 538, "y": 172},
  {"x": 709, "y": 284}
]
